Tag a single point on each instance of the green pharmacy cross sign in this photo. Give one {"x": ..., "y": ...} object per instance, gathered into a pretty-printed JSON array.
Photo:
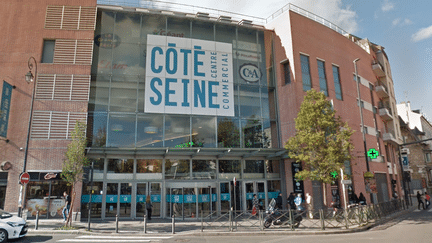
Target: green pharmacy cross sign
[
  {"x": 373, "y": 153},
  {"x": 334, "y": 174}
]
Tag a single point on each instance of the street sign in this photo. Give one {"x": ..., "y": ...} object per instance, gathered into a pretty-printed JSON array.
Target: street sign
[
  {"x": 346, "y": 182},
  {"x": 24, "y": 178}
]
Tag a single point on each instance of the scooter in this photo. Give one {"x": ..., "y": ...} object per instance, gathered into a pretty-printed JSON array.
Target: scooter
[{"x": 274, "y": 217}]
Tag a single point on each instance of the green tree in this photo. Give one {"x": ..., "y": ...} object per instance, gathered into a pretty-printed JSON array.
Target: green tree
[
  {"x": 322, "y": 141},
  {"x": 75, "y": 160}
]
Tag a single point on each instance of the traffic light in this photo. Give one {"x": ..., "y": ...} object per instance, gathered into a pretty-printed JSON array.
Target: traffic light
[{"x": 407, "y": 176}]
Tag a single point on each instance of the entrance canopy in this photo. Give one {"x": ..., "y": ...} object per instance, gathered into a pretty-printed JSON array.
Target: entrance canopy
[{"x": 194, "y": 152}]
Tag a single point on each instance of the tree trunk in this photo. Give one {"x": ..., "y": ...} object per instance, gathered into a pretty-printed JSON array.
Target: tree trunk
[
  {"x": 325, "y": 194},
  {"x": 69, "y": 217}
]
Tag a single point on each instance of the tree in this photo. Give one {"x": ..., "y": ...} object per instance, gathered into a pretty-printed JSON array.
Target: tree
[
  {"x": 76, "y": 159},
  {"x": 322, "y": 140}
]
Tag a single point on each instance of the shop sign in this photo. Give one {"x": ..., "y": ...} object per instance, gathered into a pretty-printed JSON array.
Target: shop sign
[
  {"x": 165, "y": 33},
  {"x": 107, "y": 41},
  {"x": 298, "y": 185},
  {"x": 225, "y": 196},
  {"x": 5, "y": 108},
  {"x": 188, "y": 76},
  {"x": 250, "y": 73},
  {"x": 49, "y": 176}
]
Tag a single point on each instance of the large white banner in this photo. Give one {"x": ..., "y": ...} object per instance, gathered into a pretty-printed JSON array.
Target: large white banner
[{"x": 188, "y": 76}]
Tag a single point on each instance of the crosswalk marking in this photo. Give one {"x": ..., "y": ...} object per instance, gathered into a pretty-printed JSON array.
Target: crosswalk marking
[{"x": 114, "y": 238}]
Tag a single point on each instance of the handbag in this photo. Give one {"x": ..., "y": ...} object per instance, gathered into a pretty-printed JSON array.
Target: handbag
[{"x": 254, "y": 211}]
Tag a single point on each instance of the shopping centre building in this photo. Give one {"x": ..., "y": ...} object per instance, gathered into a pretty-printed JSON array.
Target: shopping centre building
[{"x": 190, "y": 108}]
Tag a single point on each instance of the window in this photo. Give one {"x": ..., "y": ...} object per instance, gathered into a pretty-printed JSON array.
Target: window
[
  {"x": 306, "y": 78},
  {"x": 428, "y": 157},
  {"x": 337, "y": 83},
  {"x": 48, "y": 51},
  {"x": 361, "y": 103},
  {"x": 322, "y": 77},
  {"x": 287, "y": 73}
]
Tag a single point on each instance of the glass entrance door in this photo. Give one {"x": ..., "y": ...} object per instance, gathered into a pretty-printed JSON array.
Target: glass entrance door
[
  {"x": 118, "y": 200},
  {"x": 144, "y": 190},
  {"x": 251, "y": 188}
]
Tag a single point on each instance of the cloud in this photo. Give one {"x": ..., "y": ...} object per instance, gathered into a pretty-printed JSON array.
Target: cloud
[
  {"x": 387, "y": 6},
  {"x": 422, "y": 34},
  {"x": 398, "y": 21}
]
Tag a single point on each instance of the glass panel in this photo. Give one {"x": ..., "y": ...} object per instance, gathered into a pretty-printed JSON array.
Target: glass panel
[
  {"x": 123, "y": 95},
  {"x": 96, "y": 192},
  {"x": 140, "y": 199},
  {"x": 249, "y": 195},
  {"x": 261, "y": 194},
  {"x": 204, "y": 195},
  {"x": 337, "y": 83},
  {"x": 153, "y": 25},
  {"x": 273, "y": 189},
  {"x": 149, "y": 131},
  {"x": 121, "y": 131},
  {"x": 96, "y": 128},
  {"x": 127, "y": 27},
  {"x": 177, "y": 131},
  {"x": 48, "y": 51},
  {"x": 225, "y": 33},
  {"x": 228, "y": 133},
  {"x": 225, "y": 198},
  {"x": 253, "y": 169},
  {"x": 128, "y": 59},
  {"x": 250, "y": 104},
  {"x": 306, "y": 78},
  {"x": 99, "y": 93},
  {"x": 228, "y": 169},
  {"x": 189, "y": 205},
  {"x": 111, "y": 199},
  {"x": 203, "y": 169},
  {"x": 156, "y": 191},
  {"x": 104, "y": 43},
  {"x": 267, "y": 134},
  {"x": 273, "y": 168},
  {"x": 204, "y": 132},
  {"x": 178, "y": 27},
  {"x": 202, "y": 30},
  {"x": 120, "y": 165},
  {"x": 177, "y": 169},
  {"x": 253, "y": 136},
  {"x": 322, "y": 77},
  {"x": 176, "y": 201},
  {"x": 265, "y": 104},
  {"x": 125, "y": 199},
  {"x": 149, "y": 169}
]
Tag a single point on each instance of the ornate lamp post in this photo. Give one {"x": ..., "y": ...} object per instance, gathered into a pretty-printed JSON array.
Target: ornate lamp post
[{"x": 30, "y": 78}]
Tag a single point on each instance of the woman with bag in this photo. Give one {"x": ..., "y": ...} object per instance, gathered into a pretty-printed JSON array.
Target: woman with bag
[{"x": 255, "y": 204}]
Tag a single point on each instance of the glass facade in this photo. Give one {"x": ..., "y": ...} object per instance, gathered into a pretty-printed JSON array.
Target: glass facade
[
  {"x": 117, "y": 96},
  {"x": 126, "y": 52}
]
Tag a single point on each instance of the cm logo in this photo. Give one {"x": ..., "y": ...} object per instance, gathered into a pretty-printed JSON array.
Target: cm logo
[{"x": 250, "y": 73}]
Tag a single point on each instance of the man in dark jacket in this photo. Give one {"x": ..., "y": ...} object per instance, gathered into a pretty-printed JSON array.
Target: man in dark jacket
[
  {"x": 420, "y": 200},
  {"x": 279, "y": 201},
  {"x": 290, "y": 201}
]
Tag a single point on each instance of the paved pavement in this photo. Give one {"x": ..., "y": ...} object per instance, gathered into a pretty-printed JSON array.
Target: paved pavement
[{"x": 164, "y": 227}]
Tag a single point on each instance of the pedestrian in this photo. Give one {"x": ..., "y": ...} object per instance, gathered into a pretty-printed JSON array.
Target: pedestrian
[
  {"x": 279, "y": 201},
  {"x": 420, "y": 200},
  {"x": 66, "y": 207},
  {"x": 427, "y": 199},
  {"x": 149, "y": 207},
  {"x": 290, "y": 201},
  {"x": 309, "y": 204},
  {"x": 362, "y": 199},
  {"x": 298, "y": 201},
  {"x": 255, "y": 204}
]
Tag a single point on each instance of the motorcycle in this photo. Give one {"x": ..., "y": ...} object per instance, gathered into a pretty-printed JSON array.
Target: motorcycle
[{"x": 274, "y": 217}]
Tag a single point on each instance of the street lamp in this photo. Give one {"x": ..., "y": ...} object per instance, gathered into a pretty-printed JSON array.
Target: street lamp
[
  {"x": 361, "y": 117},
  {"x": 30, "y": 78}
]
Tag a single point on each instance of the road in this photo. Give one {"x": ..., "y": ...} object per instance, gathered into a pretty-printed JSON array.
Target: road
[{"x": 412, "y": 227}]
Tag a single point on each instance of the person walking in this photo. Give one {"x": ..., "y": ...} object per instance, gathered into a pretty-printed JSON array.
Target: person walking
[
  {"x": 290, "y": 201},
  {"x": 66, "y": 207},
  {"x": 149, "y": 206},
  {"x": 427, "y": 199},
  {"x": 255, "y": 204},
  {"x": 279, "y": 201},
  {"x": 362, "y": 199},
  {"x": 309, "y": 204},
  {"x": 420, "y": 200}
]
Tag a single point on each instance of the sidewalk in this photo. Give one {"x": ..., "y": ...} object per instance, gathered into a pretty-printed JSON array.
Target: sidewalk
[{"x": 158, "y": 226}]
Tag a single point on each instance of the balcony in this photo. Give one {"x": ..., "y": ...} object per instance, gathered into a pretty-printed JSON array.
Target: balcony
[
  {"x": 378, "y": 70},
  {"x": 381, "y": 91},
  {"x": 389, "y": 137},
  {"x": 385, "y": 114}
]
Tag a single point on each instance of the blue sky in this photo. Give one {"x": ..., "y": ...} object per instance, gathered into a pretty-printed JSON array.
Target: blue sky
[{"x": 403, "y": 27}]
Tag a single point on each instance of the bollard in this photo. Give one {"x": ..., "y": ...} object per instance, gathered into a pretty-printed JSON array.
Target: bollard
[
  {"x": 116, "y": 228},
  {"x": 202, "y": 222},
  {"x": 173, "y": 224},
  {"x": 145, "y": 224},
  {"x": 37, "y": 220}
]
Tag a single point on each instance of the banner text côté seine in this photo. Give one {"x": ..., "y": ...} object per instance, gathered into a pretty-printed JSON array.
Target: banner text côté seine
[{"x": 188, "y": 76}]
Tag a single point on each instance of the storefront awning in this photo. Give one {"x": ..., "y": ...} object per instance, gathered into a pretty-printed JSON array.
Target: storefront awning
[{"x": 191, "y": 152}]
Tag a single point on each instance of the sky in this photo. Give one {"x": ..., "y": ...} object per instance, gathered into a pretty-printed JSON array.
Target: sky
[{"x": 403, "y": 28}]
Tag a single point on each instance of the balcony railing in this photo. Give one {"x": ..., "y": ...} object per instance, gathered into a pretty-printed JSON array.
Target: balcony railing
[
  {"x": 378, "y": 70},
  {"x": 385, "y": 113},
  {"x": 381, "y": 90}
]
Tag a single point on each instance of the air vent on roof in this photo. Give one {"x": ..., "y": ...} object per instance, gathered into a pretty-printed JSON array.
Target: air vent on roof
[
  {"x": 202, "y": 15},
  {"x": 224, "y": 19},
  {"x": 245, "y": 22},
  {"x": 132, "y": 9}
]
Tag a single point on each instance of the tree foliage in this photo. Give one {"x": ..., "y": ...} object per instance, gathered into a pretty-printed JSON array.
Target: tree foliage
[{"x": 322, "y": 140}]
